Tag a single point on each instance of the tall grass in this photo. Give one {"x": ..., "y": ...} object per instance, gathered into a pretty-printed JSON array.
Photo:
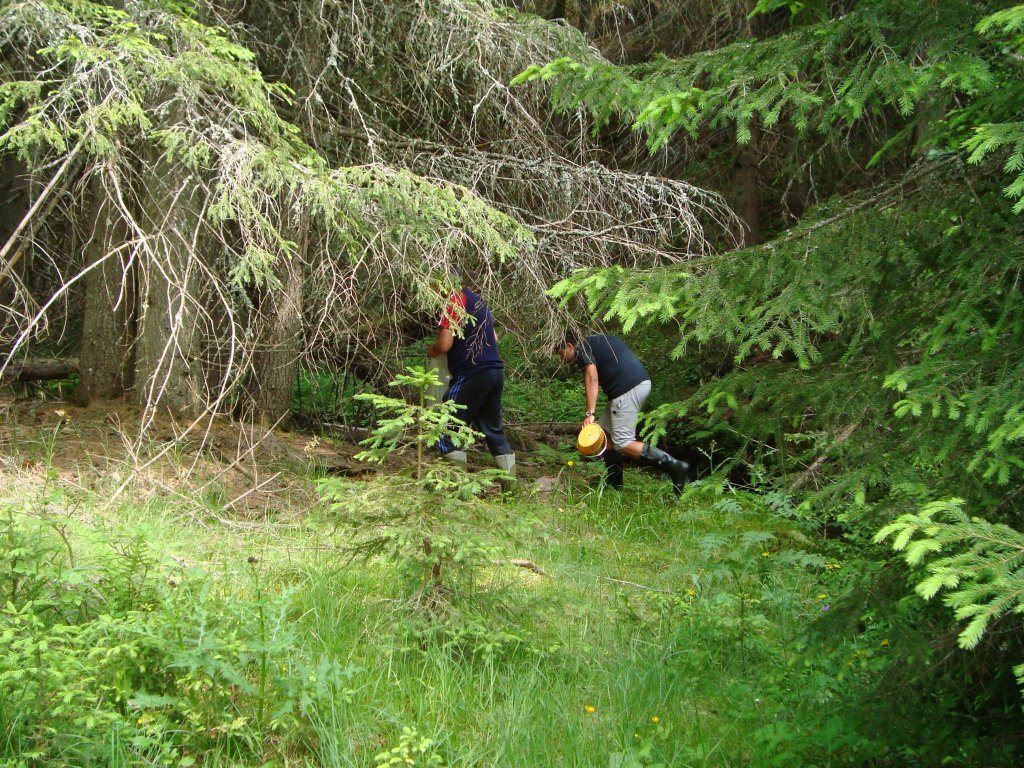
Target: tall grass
[{"x": 664, "y": 633}]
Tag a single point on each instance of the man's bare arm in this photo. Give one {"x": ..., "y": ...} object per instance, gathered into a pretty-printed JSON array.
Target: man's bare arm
[{"x": 443, "y": 343}]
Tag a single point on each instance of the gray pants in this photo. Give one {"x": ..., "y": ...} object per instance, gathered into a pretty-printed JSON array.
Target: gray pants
[{"x": 619, "y": 417}]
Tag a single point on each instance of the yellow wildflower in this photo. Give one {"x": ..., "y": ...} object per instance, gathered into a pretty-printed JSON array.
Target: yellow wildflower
[
  {"x": 884, "y": 642},
  {"x": 765, "y": 554},
  {"x": 655, "y": 719},
  {"x": 589, "y": 709}
]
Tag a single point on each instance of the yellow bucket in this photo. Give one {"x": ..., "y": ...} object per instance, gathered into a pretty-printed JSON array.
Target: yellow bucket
[{"x": 591, "y": 440}]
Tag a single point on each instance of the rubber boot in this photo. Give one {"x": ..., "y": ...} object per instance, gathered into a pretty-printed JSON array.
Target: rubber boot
[
  {"x": 676, "y": 469},
  {"x": 458, "y": 458},
  {"x": 612, "y": 470},
  {"x": 507, "y": 462}
]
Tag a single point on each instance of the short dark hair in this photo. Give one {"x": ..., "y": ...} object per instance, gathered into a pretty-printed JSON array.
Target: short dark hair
[{"x": 569, "y": 337}]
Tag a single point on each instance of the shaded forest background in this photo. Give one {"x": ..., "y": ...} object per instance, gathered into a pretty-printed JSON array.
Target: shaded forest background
[{"x": 805, "y": 215}]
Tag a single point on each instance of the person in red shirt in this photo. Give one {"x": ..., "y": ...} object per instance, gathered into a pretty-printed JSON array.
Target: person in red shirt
[{"x": 467, "y": 336}]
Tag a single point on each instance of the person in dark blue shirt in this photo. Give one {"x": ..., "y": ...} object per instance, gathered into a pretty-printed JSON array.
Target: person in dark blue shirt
[
  {"x": 610, "y": 365},
  {"x": 468, "y": 339}
]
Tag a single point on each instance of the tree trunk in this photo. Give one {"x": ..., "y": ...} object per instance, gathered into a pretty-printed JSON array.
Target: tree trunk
[
  {"x": 276, "y": 357},
  {"x": 168, "y": 363},
  {"x": 109, "y": 311},
  {"x": 14, "y": 195},
  {"x": 746, "y": 175},
  {"x": 14, "y": 205}
]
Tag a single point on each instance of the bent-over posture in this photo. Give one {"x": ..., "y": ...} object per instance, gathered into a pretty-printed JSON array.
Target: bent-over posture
[{"x": 610, "y": 365}]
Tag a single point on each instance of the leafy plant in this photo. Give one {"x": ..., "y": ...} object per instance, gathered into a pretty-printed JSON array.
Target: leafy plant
[
  {"x": 412, "y": 750},
  {"x": 643, "y": 751},
  {"x": 128, "y": 650}
]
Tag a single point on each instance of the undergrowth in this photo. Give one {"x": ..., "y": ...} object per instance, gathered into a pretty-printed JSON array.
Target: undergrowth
[{"x": 716, "y": 631}]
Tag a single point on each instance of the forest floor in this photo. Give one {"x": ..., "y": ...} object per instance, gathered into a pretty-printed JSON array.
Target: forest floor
[
  {"x": 649, "y": 631},
  {"x": 254, "y": 467}
]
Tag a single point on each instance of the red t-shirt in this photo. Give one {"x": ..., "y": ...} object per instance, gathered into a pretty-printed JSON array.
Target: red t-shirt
[
  {"x": 476, "y": 346},
  {"x": 455, "y": 311}
]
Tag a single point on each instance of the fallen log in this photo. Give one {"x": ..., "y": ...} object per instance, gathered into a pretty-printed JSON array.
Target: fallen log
[
  {"x": 546, "y": 427},
  {"x": 39, "y": 370},
  {"x": 527, "y": 564}
]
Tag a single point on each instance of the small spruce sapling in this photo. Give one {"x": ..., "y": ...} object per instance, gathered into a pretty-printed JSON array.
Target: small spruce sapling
[
  {"x": 419, "y": 425},
  {"x": 434, "y": 520}
]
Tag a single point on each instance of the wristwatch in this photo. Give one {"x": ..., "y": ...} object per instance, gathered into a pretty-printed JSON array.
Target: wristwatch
[{"x": 589, "y": 413}]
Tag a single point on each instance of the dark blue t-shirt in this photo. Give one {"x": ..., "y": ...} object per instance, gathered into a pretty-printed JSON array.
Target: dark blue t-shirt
[
  {"x": 474, "y": 345},
  {"x": 618, "y": 368}
]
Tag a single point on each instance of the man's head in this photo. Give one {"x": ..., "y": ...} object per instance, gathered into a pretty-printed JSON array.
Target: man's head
[{"x": 566, "y": 347}]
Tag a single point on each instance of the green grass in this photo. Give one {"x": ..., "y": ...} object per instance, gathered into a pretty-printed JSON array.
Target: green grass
[{"x": 660, "y": 636}]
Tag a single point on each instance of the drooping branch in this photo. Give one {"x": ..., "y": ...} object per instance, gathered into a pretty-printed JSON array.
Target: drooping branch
[{"x": 397, "y": 183}]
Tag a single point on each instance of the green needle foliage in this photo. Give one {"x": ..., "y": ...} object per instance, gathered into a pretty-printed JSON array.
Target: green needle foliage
[
  {"x": 993, "y": 137},
  {"x": 419, "y": 426},
  {"x": 874, "y": 351},
  {"x": 436, "y": 530},
  {"x": 108, "y": 79},
  {"x": 984, "y": 577},
  {"x": 820, "y": 75}
]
